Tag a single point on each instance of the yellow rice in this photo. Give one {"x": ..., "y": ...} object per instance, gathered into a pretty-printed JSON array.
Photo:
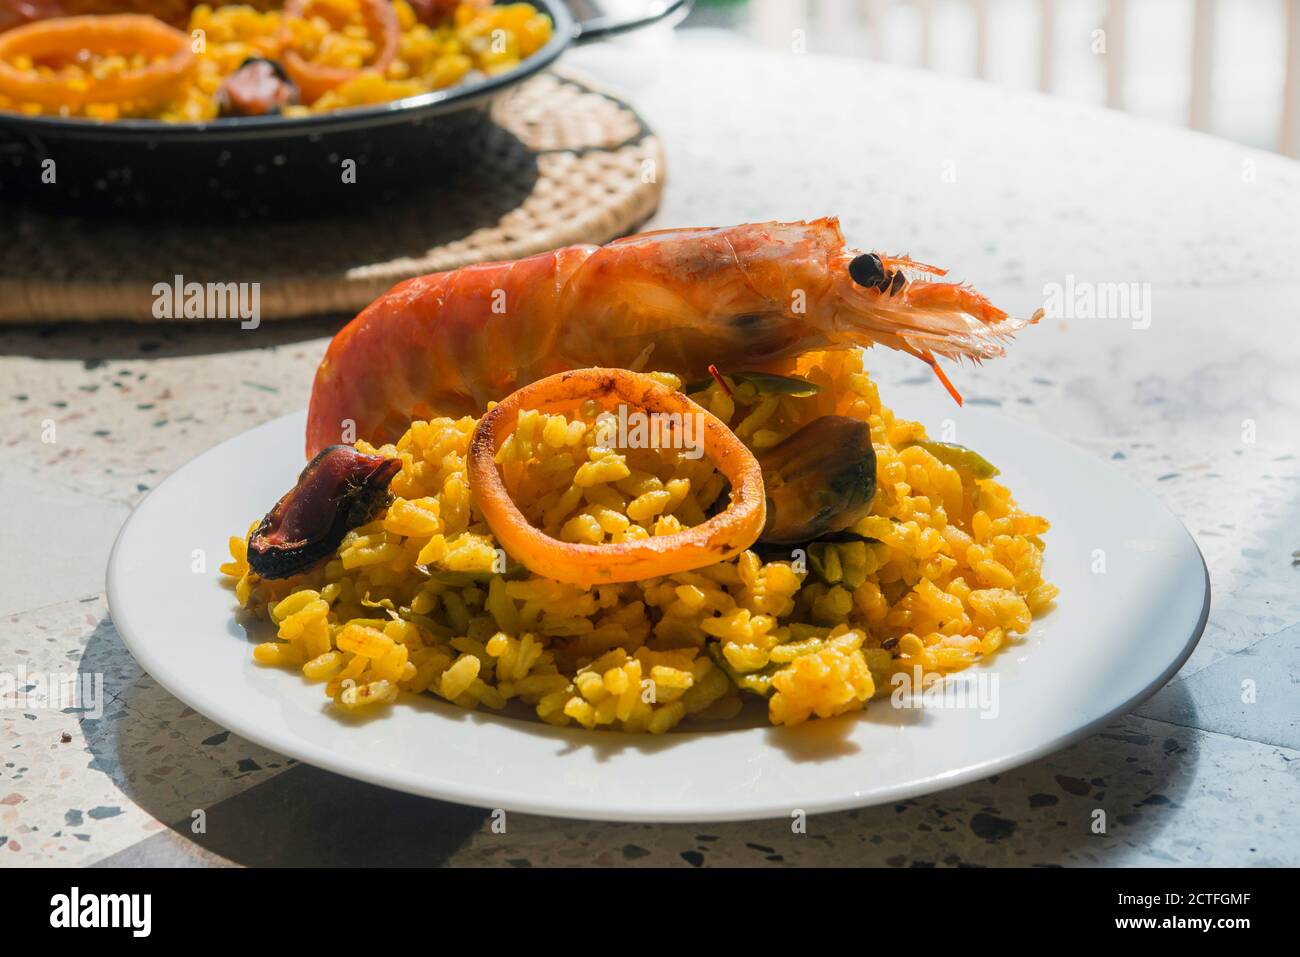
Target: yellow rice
[
  {"x": 483, "y": 40},
  {"x": 955, "y": 572}
]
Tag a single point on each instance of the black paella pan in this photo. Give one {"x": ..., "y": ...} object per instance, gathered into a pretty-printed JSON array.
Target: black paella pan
[{"x": 257, "y": 166}]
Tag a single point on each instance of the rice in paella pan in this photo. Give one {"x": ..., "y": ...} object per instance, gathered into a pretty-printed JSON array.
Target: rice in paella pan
[{"x": 117, "y": 59}]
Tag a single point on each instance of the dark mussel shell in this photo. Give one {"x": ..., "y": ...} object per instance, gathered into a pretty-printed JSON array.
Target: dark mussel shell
[
  {"x": 820, "y": 480},
  {"x": 339, "y": 490}
]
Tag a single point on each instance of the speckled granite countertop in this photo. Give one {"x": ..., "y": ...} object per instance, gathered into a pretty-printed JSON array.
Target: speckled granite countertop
[{"x": 1200, "y": 406}]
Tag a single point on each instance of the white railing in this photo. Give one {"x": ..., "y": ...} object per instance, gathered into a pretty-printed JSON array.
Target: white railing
[
  {"x": 1289, "y": 135},
  {"x": 772, "y": 21}
]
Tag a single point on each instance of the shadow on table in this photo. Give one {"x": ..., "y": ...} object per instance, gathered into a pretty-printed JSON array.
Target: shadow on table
[
  {"x": 1041, "y": 814},
  {"x": 96, "y": 342},
  {"x": 297, "y": 816}
]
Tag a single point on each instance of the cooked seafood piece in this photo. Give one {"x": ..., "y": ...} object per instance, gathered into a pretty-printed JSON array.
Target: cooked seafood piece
[
  {"x": 820, "y": 480},
  {"x": 338, "y": 490},
  {"x": 752, "y": 297},
  {"x": 727, "y": 534},
  {"x": 258, "y": 88}
]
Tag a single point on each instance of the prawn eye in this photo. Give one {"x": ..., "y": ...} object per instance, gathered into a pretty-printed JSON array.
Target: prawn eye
[{"x": 867, "y": 270}]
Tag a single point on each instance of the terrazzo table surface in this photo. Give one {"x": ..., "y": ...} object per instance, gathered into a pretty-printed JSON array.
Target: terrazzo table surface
[{"x": 1199, "y": 405}]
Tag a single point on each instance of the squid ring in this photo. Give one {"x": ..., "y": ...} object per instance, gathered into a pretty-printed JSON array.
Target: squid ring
[
  {"x": 125, "y": 33},
  {"x": 314, "y": 80},
  {"x": 721, "y": 537}
]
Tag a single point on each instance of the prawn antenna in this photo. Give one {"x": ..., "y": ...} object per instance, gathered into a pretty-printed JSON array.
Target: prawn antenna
[{"x": 933, "y": 363}]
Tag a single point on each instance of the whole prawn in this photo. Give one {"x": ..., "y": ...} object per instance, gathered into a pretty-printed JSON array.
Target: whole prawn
[{"x": 750, "y": 297}]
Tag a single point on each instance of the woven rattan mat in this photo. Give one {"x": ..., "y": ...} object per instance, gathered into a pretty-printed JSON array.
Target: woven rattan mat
[{"x": 588, "y": 170}]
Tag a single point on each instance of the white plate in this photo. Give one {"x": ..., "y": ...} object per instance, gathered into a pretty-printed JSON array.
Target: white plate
[{"x": 1113, "y": 638}]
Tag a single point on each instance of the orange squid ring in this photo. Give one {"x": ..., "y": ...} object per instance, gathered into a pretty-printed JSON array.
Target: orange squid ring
[
  {"x": 125, "y": 33},
  {"x": 315, "y": 80},
  {"x": 721, "y": 537}
]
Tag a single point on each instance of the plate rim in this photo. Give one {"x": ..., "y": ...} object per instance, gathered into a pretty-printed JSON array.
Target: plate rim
[{"x": 319, "y": 757}]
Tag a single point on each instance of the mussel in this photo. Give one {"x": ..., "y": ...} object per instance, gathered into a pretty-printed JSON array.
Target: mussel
[
  {"x": 260, "y": 87},
  {"x": 820, "y": 480},
  {"x": 339, "y": 489}
]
